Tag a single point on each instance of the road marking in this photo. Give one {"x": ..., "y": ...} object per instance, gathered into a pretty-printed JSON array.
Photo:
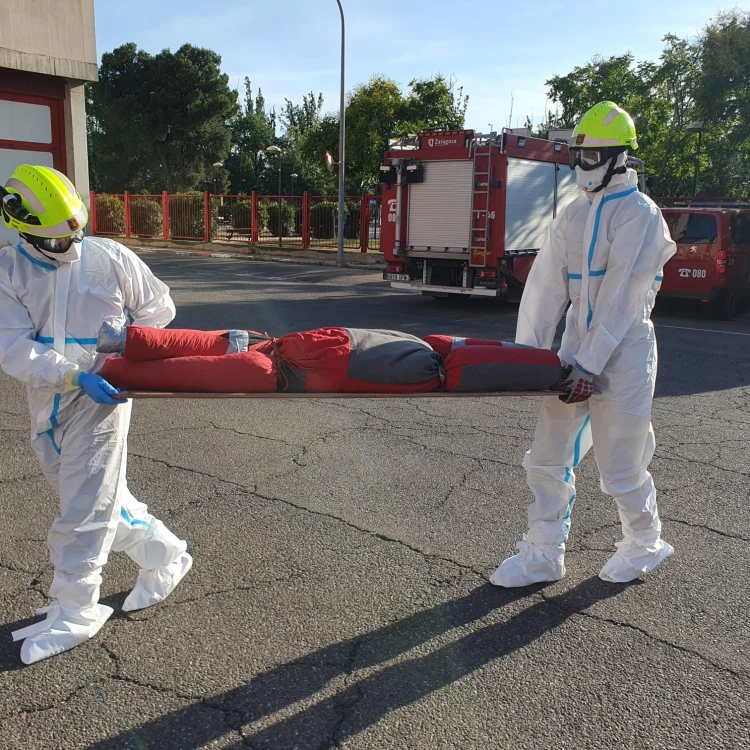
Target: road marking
[{"x": 704, "y": 330}]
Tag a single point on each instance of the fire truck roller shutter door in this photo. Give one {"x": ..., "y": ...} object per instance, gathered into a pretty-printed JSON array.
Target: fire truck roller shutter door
[
  {"x": 529, "y": 204},
  {"x": 440, "y": 207}
]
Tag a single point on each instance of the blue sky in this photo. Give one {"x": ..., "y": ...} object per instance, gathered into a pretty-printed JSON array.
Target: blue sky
[{"x": 502, "y": 50}]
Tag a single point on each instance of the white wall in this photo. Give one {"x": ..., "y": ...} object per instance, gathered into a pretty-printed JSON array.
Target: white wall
[
  {"x": 55, "y": 37},
  {"x": 77, "y": 156}
]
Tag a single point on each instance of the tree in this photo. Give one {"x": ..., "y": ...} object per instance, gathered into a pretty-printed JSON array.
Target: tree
[
  {"x": 252, "y": 130},
  {"x": 671, "y": 108},
  {"x": 299, "y": 119},
  {"x": 614, "y": 78},
  {"x": 159, "y": 122},
  {"x": 659, "y": 97},
  {"x": 433, "y": 103},
  {"x": 723, "y": 99},
  {"x": 376, "y": 111},
  {"x": 724, "y": 84}
]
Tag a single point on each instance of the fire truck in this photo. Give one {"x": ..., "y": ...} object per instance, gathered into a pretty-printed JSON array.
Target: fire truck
[{"x": 465, "y": 213}]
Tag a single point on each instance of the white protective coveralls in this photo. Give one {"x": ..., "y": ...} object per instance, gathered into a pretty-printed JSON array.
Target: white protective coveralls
[
  {"x": 50, "y": 314},
  {"x": 604, "y": 254}
]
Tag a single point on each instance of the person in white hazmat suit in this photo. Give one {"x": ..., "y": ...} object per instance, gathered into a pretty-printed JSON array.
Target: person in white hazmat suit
[
  {"x": 603, "y": 256},
  {"x": 56, "y": 290}
]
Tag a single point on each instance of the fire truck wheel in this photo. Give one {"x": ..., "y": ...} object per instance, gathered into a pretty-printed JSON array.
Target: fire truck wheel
[{"x": 724, "y": 307}]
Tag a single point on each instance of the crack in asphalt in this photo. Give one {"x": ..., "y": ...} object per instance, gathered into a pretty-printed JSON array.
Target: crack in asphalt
[
  {"x": 231, "y": 717},
  {"x": 350, "y": 706},
  {"x": 253, "y": 491},
  {"x": 254, "y": 586},
  {"x": 742, "y": 674},
  {"x": 704, "y": 527},
  {"x": 24, "y": 712},
  {"x": 24, "y": 478},
  {"x": 371, "y": 533},
  {"x": 253, "y": 435}
]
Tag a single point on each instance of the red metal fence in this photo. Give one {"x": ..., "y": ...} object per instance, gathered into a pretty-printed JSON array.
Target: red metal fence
[{"x": 301, "y": 221}]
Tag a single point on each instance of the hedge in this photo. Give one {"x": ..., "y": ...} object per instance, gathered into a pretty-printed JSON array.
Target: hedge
[
  {"x": 186, "y": 216},
  {"x": 323, "y": 217},
  {"x": 275, "y": 225},
  {"x": 242, "y": 213},
  {"x": 110, "y": 214},
  {"x": 145, "y": 217},
  {"x": 324, "y": 220}
]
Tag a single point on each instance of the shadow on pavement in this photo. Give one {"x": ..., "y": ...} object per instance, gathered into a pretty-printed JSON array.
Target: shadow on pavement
[{"x": 377, "y": 695}]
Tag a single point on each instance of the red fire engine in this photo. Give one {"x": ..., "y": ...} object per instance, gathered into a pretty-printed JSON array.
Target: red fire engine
[{"x": 465, "y": 213}]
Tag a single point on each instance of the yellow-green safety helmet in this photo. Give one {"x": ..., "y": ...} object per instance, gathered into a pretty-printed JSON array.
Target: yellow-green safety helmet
[
  {"x": 605, "y": 125},
  {"x": 43, "y": 202}
]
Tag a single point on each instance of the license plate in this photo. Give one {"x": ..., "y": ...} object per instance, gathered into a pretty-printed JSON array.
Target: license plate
[{"x": 397, "y": 277}]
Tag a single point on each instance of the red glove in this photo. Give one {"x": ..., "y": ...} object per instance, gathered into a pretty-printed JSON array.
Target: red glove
[{"x": 579, "y": 383}]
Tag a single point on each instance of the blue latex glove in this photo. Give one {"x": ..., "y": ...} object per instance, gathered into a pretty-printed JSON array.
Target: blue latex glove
[{"x": 98, "y": 389}]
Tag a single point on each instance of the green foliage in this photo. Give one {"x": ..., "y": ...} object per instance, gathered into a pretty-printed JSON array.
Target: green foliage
[
  {"x": 432, "y": 103},
  {"x": 159, "y": 121},
  {"x": 145, "y": 217},
  {"x": 186, "y": 216},
  {"x": 706, "y": 80},
  {"x": 377, "y": 111},
  {"x": 242, "y": 215},
  {"x": 110, "y": 214},
  {"x": 162, "y": 121},
  {"x": 252, "y": 130},
  {"x": 280, "y": 219},
  {"x": 299, "y": 119},
  {"x": 263, "y": 219},
  {"x": 722, "y": 91},
  {"x": 723, "y": 104},
  {"x": 352, "y": 216},
  {"x": 323, "y": 218}
]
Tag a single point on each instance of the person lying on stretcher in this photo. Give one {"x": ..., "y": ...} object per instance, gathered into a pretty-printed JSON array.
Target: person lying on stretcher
[{"x": 323, "y": 360}]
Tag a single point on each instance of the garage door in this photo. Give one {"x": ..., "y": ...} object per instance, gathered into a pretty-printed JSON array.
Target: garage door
[{"x": 440, "y": 207}]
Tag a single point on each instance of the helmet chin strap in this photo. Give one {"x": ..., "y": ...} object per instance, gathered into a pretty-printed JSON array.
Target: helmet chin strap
[
  {"x": 32, "y": 241},
  {"x": 612, "y": 170}
]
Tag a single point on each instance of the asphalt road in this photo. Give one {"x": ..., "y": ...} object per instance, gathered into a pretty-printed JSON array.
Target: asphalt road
[{"x": 339, "y": 596}]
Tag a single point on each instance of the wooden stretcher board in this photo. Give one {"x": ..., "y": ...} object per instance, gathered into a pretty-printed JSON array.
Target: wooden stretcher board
[{"x": 434, "y": 394}]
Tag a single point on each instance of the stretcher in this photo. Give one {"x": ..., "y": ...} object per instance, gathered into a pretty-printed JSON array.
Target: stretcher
[{"x": 281, "y": 395}]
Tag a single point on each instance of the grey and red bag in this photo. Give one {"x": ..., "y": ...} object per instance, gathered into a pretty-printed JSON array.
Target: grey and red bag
[{"x": 355, "y": 360}]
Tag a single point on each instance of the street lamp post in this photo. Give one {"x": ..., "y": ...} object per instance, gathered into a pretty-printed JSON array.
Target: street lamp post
[
  {"x": 696, "y": 127},
  {"x": 342, "y": 141},
  {"x": 217, "y": 164},
  {"x": 294, "y": 176},
  {"x": 277, "y": 150}
]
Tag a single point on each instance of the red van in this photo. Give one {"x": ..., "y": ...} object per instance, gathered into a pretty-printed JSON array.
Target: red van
[{"x": 712, "y": 262}]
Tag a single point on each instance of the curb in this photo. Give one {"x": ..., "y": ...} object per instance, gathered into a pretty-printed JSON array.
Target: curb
[{"x": 376, "y": 266}]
